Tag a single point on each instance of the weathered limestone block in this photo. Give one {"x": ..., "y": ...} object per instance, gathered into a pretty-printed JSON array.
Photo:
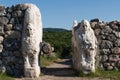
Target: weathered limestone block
[
  {"x": 93, "y": 24},
  {"x": 111, "y": 37},
  {"x": 109, "y": 67},
  {"x": 1, "y": 48},
  {"x": 17, "y": 13},
  {"x": 3, "y": 20},
  {"x": 2, "y": 10},
  {"x": 8, "y": 15},
  {"x": 46, "y": 48},
  {"x": 118, "y": 64},
  {"x": 117, "y": 34},
  {"x": 8, "y": 27},
  {"x": 13, "y": 34},
  {"x": 104, "y": 58},
  {"x": 117, "y": 43},
  {"x": 84, "y": 45},
  {"x": 106, "y": 64},
  {"x": 105, "y": 44},
  {"x": 115, "y": 50},
  {"x": 100, "y": 25},
  {"x": 97, "y": 32},
  {"x": 12, "y": 21},
  {"x": 1, "y": 30},
  {"x": 113, "y": 25},
  {"x": 1, "y": 39},
  {"x": 113, "y": 58},
  {"x": 30, "y": 72},
  {"x": 106, "y": 31},
  {"x": 18, "y": 27},
  {"x": 105, "y": 51},
  {"x": 11, "y": 44},
  {"x": 31, "y": 40}
]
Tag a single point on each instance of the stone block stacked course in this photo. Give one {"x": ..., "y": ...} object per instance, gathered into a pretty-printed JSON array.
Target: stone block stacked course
[
  {"x": 108, "y": 36},
  {"x": 11, "y": 22}
]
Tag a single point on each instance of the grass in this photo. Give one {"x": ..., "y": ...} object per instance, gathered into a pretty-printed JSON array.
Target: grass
[
  {"x": 101, "y": 74},
  {"x": 45, "y": 60},
  {"x": 112, "y": 75},
  {"x": 4, "y": 76}
]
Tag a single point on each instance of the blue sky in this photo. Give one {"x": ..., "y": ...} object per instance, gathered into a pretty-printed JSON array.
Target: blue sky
[{"x": 61, "y": 13}]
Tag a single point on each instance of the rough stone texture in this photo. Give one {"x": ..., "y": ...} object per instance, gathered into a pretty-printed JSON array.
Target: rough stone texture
[
  {"x": 13, "y": 34},
  {"x": 2, "y": 11},
  {"x": 105, "y": 44},
  {"x": 84, "y": 45},
  {"x": 1, "y": 48},
  {"x": 1, "y": 30},
  {"x": 105, "y": 51},
  {"x": 12, "y": 28},
  {"x": 116, "y": 50},
  {"x": 46, "y": 48},
  {"x": 8, "y": 27},
  {"x": 31, "y": 39},
  {"x": 117, "y": 43},
  {"x": 108, "y": 36},
  {"x": 3, "y": 20},
  {"x": 30, "y": 72},
  {"x": 1, "y": 39},
  {"x": 11, "y": 59}
]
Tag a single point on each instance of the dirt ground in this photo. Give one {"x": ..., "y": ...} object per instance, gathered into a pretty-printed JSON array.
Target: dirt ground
[{"x": 60, "y": 70}]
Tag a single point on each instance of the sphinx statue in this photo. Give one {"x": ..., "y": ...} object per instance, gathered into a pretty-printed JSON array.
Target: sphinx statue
[
  {"x": 31, "y": 40},
  {"x": 84, "y": 46}
]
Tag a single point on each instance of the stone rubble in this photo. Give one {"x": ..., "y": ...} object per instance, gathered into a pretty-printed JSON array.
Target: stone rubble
[{"x": 47, "y": 49}]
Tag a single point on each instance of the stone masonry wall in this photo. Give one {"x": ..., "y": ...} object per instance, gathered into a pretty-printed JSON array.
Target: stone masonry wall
[
  {"x": 11, "y": 22},
  {"x": 108, "y": 36}
]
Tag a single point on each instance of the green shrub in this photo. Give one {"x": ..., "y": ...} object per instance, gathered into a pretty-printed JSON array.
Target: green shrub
[
  {"x": 61, "y": 41},
  {"x": 45, "y": 60},
  {"x": 112, "y": 75}
]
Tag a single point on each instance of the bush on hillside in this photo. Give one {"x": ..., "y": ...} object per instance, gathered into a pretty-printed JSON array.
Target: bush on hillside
[{"x": 61, "y": 41}]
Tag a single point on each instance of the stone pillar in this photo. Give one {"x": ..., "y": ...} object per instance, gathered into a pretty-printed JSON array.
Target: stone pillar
[
  {"x": 31, "y": 40},
  {"x": 84, "y": 45}
]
